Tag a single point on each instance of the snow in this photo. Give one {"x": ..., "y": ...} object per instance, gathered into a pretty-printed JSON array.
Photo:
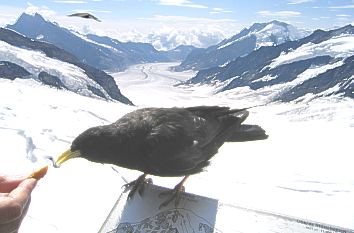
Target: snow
[
  {"x": 39, "y": 37},
  {"x": 315, "y": 71},
  {"x": 229, "y": 43},
  {"x": 282, "y": 33},
  {"x": 225, "y": 64},
  {"x": 83, "y": 37},
  {"x": 263, "y": 36},
  {"x": 265, "y": 78},
  {"x": 337, "y": 47},
  {"x": 271, "y": 92},
  {"x": 303, "y": 169},
  {"x": 73, "y": 77},
  {"x": 51, "y": 119}
]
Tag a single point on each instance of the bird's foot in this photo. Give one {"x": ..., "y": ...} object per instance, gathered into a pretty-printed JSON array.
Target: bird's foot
[
  {"x": 137, "y": 185},
  {"x": 175, "y": 194}
]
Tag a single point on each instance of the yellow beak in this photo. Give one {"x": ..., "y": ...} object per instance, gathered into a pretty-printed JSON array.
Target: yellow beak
[{"x": 66, "y": 156}]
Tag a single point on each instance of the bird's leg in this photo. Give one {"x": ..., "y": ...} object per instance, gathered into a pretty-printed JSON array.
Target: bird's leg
[
  {"x": 138, "y": 184},
  {"x": 176, "y": 193}
]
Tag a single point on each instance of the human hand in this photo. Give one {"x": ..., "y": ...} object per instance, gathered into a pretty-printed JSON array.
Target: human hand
[{"x": 15, "y": 196}]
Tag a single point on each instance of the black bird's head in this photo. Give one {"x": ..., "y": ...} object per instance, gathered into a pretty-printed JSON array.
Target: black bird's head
[{"x": 93, "y": 144}]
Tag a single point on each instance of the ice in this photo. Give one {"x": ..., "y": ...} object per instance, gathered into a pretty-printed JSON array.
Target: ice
[{"x": 304, "y": 168}]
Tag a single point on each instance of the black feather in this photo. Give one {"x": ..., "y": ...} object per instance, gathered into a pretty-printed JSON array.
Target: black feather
[{"x": 166, "y": 141}]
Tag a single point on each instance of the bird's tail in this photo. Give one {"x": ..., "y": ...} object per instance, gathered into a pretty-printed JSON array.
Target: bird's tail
[{"x": 248, "y": 133}]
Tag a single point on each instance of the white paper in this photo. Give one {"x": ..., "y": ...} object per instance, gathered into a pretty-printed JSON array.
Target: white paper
[{"x": 199, "y": 214}]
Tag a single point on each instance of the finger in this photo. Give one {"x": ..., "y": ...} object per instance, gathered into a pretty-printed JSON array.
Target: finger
[
  {"x": 10, "y": 227},
  {"x": 24, "y": 212},
  {"x": 9, "y": 211},
  {"x": 12, "y": 206},
  {"x": 23, "y": 191},
  {"x": 7, "y": 184}
]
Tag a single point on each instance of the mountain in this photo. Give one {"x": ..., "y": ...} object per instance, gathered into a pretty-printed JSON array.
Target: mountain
[
  {"x": 241, "y": 44},
  {"x": 102, "y": 53},
  {"x": 36, "y": 27},
  {"x": 143, "y": 52},
  {"x": 179, "y": 53},
  {"x": 320, "y": 64},
  {"x": 22, "y": 57},
  {"x": 136, "y": 52}
]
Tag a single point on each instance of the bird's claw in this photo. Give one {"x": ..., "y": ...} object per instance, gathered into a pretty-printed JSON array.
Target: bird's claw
[
  {"x": 175, "y": 195},
  {"x": 130, "y": 184},
  {"x": 137, "y": 185}
]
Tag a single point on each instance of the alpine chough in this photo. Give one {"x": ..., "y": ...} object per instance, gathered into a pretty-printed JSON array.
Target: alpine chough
[
  {"x": 86, "y": 16},
  {"x": 164, "y": 141}
]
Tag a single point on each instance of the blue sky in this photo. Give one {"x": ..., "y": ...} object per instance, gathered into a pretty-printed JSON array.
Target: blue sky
[
  {"x": 308, "y": 13},
  {"x": 128, "y": 18}
]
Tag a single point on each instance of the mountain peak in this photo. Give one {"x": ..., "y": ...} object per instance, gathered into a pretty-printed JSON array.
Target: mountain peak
[
  {"x": 260, "y": 26},
  {"x": 30, "y": 16},
  {"x": 283, "y": 24},
  {"x": 38, "y": 16},
  {"x": 249, "y": 39}
]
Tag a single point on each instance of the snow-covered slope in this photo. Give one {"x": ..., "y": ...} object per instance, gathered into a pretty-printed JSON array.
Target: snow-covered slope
[
  {"x": 37, "y": 121},
  {"x": 321, "y": 64},
  {"x": 35, "y": 62},
  {"x": 341, "y": 46},
  {"x": 22, "y": 57},
  {"x": 241, "y": 44}
]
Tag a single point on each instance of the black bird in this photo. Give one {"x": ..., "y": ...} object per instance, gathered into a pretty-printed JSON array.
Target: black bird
[
  {"x": 164, "y": 141},
  {"x": 86, "y": 16}
]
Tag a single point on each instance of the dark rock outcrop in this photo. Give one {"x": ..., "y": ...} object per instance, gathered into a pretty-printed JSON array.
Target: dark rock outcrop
[{"x": 9, "y": 70}]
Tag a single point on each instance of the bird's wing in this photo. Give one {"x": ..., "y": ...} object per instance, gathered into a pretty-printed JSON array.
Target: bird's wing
[
  {"x": 94, "y": 17},
  {"x": 218, "y": 121},
  {"x": 85, "y": 15},
  {"x": 77, "y": 14},
  {"x": 170, "y": 145}
]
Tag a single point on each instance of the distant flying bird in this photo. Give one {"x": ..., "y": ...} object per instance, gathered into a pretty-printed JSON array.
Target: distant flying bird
[
  {"x": 163, "y": 141},
  {"x": 86, "y": 16}
]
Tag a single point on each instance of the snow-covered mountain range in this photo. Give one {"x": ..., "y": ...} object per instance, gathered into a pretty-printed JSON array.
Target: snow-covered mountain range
[
  {"x": 275, "y": 59},
  {"x": 320, "y": 64},
  {"x": 21, "y": 57},
  {"x": 167, "y": 39},
  {"x": 98, "y": 51},
  {"x": 241, "y": 44}
]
